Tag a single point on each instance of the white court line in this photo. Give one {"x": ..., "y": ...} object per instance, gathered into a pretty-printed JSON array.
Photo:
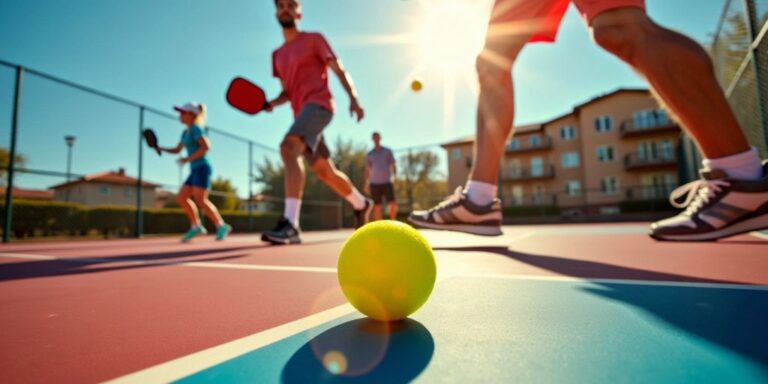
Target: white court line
[
  {"x": 759, "y": 235},
  {"x": 27, "y": 256},
  {"x": 569, "y": 279},
  {"x": 199, "y": 361},
  {"x": 196, "y": 264}
]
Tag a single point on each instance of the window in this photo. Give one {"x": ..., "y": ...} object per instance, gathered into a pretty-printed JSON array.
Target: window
[
  {"x": 609, "y": 185},
  {"x": 537, "y": 166},
  {"x": 657, "y": 185},
  {"x": 650, "y": 119},
  {"x": 456, "y": 154},
  {"x": 105, "y": 190},
  {"x": 534, "y": 141},
  {"x": 513, "y": 145},
  {"x": 567, "y": 133},
  {"x": 605, "y": 153},
  {"x": 603, "y": 124},
  {"x": 666, "y": 149},
  {"x": 569, "y": 159},
  {"x": 517, "y": 195},
  {"x": 513, "y": 167},
  {"x": 573, "y": 188}
]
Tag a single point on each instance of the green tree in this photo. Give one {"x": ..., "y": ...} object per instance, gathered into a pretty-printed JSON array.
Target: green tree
[
  {"x": 223, "y": 195},
  {"x": 5, "y": 157},
  {"x": 419, "y": 181}
]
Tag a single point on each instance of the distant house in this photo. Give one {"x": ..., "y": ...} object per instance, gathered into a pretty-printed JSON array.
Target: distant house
[
  {"x": 257, "y": 203},
  {"x": 29, "y": 194},
  {"x": 106, "y": 188}
]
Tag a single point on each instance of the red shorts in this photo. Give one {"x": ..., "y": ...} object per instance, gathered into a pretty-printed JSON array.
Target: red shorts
[{"x": 541, "y": 18}]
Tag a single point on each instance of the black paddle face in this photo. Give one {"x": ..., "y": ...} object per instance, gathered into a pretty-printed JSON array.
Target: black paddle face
[{"x": 151, "y": 139}]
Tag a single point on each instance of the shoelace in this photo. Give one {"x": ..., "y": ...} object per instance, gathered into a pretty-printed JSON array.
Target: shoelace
[
  {"x": 697, "y": 193},
  {"x": 458, "y": 194}
]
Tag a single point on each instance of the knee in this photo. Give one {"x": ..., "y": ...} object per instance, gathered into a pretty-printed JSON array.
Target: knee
[
  {"x": 624, "y": 37},
  {"x": 182, "y": 199},
  {"x": 290, "y": 147},
  {"x": 494, "y": 68}
]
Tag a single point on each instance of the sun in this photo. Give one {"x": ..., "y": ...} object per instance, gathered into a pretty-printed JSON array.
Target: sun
[{"x": 452, "y": 35}]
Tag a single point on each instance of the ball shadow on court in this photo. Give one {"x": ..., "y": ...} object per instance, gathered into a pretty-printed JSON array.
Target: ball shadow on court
[{"x": 363, "y": 350}]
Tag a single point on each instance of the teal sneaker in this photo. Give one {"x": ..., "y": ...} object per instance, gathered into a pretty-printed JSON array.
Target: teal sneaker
[
  {"x": 194, "y": 232},
  {"x": 223, "y": 231}
]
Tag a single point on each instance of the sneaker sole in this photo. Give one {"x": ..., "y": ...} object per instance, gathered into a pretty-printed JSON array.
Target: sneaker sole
[
  {"x": 754, "y": 224},
  {"x": 482, "y": 230},
  {"x": 280, "y": 240}
]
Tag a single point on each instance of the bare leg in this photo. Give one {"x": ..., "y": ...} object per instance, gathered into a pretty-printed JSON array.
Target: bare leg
[
  {"x": 680, "y": 73},
  {"x": 392, "y": 210},
  {"x": 291, "y": 150},
  {"x": 186, "y": 204},
  {"x": 332, "y": 177},
  {"x": 200, "y": 196},
  {"x": 495, "y": 106},
  {"x": 377, "y": 212}
]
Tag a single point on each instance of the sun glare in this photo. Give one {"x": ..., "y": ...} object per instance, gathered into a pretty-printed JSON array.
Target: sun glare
[{"x": 452, "y": 36}]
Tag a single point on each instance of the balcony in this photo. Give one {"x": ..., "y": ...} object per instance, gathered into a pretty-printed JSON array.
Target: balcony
[
  {"x": 529, "y": 173},
  {"x": 635, "y": 161},
  {"x": 545, "y": 143},
  {"x": 629, "y": 128}
]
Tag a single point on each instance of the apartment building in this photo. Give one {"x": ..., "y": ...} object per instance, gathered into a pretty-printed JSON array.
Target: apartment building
[{"x": 616, "y": 147}]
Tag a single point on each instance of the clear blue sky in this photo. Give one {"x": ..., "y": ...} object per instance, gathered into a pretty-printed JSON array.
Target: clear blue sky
[{"x": 171, "y": 51}]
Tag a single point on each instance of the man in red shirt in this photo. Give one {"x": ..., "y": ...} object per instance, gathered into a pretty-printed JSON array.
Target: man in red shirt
[
  {"x": 301, "y": 64},
  {"x": 732, "y": 195}
]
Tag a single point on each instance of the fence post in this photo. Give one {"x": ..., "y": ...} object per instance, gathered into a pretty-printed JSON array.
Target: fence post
[
  {"x": 139, "y": 225},
  {"x": 250, "y": 186},
  {"x": 12, "y": 158}
]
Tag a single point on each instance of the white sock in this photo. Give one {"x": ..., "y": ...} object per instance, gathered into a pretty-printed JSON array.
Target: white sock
[
  {"x": 356, "y": 199},
  {"x": 481, "y": 193},
  {"x": 741, "y": 166},
  {"x": 292, "y": 211}
]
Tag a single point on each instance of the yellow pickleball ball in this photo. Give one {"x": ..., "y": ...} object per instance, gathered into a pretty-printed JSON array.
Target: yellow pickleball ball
[
  {"x": 387, "y": 270},
  {"x": 416, "y": 85}
]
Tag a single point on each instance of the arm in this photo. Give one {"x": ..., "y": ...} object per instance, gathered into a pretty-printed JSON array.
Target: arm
[
  {"x": 281, "y": 99},
  {"x": 204, "y": 146},
  {"x": 367, "y": 179},
  {"x": 346, "y": 81},
  {"x": 173, "y": 150}
]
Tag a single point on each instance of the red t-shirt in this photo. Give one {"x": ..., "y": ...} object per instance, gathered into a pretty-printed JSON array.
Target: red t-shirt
[{"x": 303, "y": 65}]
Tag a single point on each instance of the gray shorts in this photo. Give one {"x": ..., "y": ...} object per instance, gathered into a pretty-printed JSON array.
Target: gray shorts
[{"x": 309, "y": 125}]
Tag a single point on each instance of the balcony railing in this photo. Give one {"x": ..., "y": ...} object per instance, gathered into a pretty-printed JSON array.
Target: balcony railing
[
  {"x": 629, "y": 127},
  {"x": 544, "y": 143},
  {"x": 635, "y": 160},
  {"x": 529, "y": 173}
]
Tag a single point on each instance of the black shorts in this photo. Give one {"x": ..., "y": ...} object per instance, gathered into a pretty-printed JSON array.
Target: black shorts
[{"x": 379, "y": 192}]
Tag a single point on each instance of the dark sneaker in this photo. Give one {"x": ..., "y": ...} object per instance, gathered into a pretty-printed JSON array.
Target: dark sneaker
[
  {"x": 716, "y": 207},
  {"x": 362, "y": 216},
  {"x": 284, "y": 233},
  {"x": 459, "y": 214}
]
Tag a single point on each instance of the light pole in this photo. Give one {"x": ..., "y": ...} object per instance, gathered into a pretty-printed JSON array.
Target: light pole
[{"x": 70, "y": 140}]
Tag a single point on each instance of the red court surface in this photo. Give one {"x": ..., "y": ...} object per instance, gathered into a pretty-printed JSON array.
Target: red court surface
[{"x": 99, "y": 310}]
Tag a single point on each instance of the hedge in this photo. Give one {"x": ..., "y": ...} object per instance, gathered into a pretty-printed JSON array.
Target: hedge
[{"x": 36, "y": 218}]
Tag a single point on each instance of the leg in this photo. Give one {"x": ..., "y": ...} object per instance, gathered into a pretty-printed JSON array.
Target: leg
[
  {"x": 186, "y": 204},
  {"x": 680, "y": 73},
  {"x": 377, "y": 212},
  {"x": 332, "y": 177},
  {"x": 291, "y": 150},
  {"x": 200, "y": 195},
  {"x": 393, "y": 210}
]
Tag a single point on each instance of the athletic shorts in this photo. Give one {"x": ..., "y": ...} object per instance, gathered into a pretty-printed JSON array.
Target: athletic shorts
[
  {"x": 309, "y": 125},
  {"x": 379, "y": 192},
  {"x": 200, "y": 177},
  {"x": 542, "y": 18}
]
